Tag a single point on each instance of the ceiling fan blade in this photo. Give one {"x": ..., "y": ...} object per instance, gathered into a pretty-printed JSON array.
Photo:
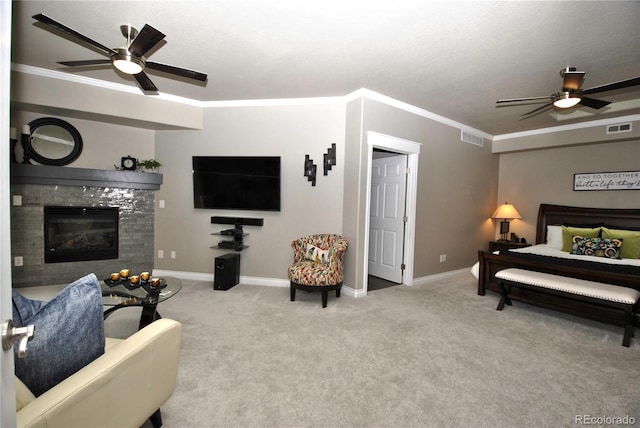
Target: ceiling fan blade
[
  {"x": 145, "y": 83},
  {"x": 593, "y": 103},
  {"x": 86, "y": 62},
  {"x": 61, "y": 27},
  {"x": 537, "y": 110},
  {"x": 572, "y": 80},
  {"x": 634, "y": 81},
  {"x": 515, "y": 100},
  {"x": 146, "y": 39},
  {"x": 177, "y": 71}
]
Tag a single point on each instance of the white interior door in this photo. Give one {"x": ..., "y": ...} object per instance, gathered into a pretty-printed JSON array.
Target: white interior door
[{"x": 387, "y": 213}]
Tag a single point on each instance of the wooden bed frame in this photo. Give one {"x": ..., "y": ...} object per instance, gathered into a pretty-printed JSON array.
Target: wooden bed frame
[{"x": 490, "y": 263}]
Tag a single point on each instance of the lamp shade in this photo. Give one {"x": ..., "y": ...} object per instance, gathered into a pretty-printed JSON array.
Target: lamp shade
[{"x": 506, "y": 211}]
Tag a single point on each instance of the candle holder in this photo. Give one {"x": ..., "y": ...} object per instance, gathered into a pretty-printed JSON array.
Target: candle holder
[
  {"x": 26, "y": 143},
  {"x": 13, "y": 142}
]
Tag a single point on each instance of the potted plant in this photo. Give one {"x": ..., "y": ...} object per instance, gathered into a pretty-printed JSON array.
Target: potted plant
[{"x": 149, "y": 164}]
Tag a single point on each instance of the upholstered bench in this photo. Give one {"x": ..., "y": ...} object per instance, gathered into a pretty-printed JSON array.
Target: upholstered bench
[{"x": 613, "y": 296}]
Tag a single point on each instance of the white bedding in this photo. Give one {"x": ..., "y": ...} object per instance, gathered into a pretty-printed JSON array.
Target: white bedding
[{"x": 546, "y": 250}]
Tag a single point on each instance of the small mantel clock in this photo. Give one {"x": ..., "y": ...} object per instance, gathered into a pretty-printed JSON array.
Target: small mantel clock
[{"x": 128, "y": 163}]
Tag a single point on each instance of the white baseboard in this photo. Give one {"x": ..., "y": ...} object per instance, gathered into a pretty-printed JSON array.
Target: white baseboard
[
  {"x": 199, "y": 276},
  {"x": 278, "y": 282},
  {"x": 438, "y": 276},
  {"x": 352, "y": 292},
  {"x": 195, "y": 276}
]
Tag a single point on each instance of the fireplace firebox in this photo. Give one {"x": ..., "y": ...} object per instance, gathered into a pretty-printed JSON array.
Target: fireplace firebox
[{"x": 80, "y": 233}]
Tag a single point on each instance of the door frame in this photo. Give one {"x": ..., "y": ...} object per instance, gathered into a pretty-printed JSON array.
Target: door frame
[
  {"x": 412, "y": 150},
  {"x": 7, "y": 391}
]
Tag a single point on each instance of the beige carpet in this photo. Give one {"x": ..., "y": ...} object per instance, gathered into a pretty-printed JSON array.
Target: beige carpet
[{"x": 425, "y": 356}]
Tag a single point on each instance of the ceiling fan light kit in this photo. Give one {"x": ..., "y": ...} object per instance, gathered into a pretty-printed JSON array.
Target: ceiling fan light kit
[
  {"x": 566, "y": 100},
  {"x": 571, "y": 94},
  {"x": 127, "y": 63},
  {"x": 130, "y": 60}
]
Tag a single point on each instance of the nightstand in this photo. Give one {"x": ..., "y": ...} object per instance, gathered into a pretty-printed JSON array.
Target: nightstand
[{"x": 505, "y": 245}]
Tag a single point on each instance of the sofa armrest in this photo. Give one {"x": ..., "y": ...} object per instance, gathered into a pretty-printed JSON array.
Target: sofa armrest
[{"x": 122, "y": 388}]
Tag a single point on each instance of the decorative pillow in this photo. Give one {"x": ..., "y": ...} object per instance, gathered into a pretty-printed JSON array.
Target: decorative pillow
[
  {"x": 554, "y": 237},
  {"x": 69, "y": 333},
  {"x": 317, "y": 254},
  {"x": 569, "y": 232},
  {"x": 631, "y": 247},
  {"x": 598, "y": 247}
]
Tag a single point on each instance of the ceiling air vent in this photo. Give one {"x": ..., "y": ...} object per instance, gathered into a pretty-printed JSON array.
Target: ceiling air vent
[
  {"x": 618, "y": 128},
  {"x": 468, "y": 137}
]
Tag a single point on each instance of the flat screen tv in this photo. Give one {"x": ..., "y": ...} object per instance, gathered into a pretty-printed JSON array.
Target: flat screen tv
[{"x": 237, "y": 182}]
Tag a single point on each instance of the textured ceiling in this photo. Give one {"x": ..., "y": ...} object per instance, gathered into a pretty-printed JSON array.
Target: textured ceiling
[{"x": 451, "y": 58}]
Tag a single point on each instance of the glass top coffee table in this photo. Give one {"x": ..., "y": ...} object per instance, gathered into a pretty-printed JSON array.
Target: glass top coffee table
[{"x": 119, "y": 296}]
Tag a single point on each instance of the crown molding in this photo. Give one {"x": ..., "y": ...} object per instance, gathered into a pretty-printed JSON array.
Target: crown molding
[
  {"x": 360, "y": 93},
  {"x": 52, "y": 74},
  {"x": 363, "y": 92},
  {"x": 372, "y": 95},
  {"x": 574, "y": 126}
]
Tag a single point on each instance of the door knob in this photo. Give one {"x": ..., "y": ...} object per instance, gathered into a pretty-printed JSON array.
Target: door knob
[{"x": 10, "y": 334}]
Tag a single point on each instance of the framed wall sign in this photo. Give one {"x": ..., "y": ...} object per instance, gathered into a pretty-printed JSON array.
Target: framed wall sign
[{"x": 619, "y": 180}]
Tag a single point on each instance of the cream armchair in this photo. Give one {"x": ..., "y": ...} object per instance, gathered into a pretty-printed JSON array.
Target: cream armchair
[{"x": 122, "y": 388}]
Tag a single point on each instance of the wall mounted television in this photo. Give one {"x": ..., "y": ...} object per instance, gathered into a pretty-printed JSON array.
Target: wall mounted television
[{"x": 237, "y": 182}]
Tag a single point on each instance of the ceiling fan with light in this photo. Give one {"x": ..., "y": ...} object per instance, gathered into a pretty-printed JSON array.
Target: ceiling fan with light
[
  {"x": 130, "y": 59},
  {"x": 571, "y": 95}
]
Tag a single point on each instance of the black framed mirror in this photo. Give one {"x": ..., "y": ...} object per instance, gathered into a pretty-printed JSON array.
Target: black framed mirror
[{"x": 53, "y": 141}]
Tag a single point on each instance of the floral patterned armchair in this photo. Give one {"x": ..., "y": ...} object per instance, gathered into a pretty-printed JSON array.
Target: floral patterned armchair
[{"x": 317, "y": 264}]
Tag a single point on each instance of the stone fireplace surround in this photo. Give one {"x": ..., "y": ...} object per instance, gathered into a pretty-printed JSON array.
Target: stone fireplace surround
[{"x": 40, "y": 185}]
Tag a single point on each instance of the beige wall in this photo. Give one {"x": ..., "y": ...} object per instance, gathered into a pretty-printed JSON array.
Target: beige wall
[
  {"x": 103, "y": 144},
  {"x": 33, "y": 91},
  {"x": 286, "y": 131},
  {"x": 530, "y": 178},
  {"x": 457, "y": 186},
  {"x": 457, "y": 182}
]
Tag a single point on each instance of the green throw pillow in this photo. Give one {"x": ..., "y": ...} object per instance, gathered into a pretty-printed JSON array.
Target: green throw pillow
[
  {"x": 631, "y": 241},
  {"x": 569, "y": 232}
]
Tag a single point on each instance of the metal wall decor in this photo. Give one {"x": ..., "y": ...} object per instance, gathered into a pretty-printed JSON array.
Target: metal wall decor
[
  {"x": 328, "y": 161},
  {"x": 310, "y": 169},
  {"x": 329, "y": 158}
]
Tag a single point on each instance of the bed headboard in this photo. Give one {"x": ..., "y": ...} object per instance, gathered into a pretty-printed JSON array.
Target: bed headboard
[{"x": 558, "y": 214}]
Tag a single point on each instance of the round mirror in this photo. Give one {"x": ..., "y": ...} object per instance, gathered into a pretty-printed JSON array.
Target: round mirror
[{"x": 54, "y": 141}]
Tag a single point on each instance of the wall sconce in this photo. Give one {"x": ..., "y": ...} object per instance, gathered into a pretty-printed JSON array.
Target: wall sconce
[
  {"x": 310, "y": 170},
  {"x": 329, "y": 158},
  {"x": 505, "y": 211}
]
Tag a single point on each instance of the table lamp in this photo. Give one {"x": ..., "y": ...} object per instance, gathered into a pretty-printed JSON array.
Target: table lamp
[{"x": 506, "y": 212}]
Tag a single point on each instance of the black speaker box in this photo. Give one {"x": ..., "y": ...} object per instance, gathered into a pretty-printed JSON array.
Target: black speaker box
[
  {"x": 227, "y": 271},
  {"x": 242, "y": 221}
]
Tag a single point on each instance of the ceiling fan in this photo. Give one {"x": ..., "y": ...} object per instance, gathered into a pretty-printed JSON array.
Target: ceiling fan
[
  {"x": 571, "y": 94},
  {"x": 130, "y": 59}
]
